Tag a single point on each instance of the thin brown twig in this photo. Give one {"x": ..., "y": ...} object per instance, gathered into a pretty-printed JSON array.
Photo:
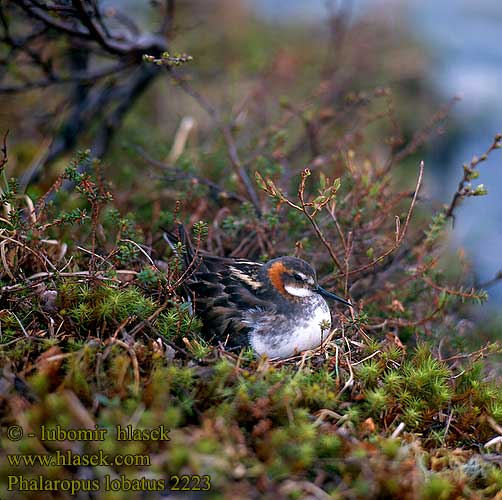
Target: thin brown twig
[
  {"x": 400, "y": 234},
  {"x": 227, "y": 135},
  {"x": 301, "y": 191},
  {"x": 332, "y": 213},
  {"x": 471, "y": 355},
  {"x": 422, "y": 135},
  {"x": 462, "y": 189},
  {"x": 222, "y": 193},
  {"x": 450, "y": 291},
  {"x": 4, "y": 159}
]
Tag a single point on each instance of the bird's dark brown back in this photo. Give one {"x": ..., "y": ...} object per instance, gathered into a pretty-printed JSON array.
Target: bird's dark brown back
[{"x": 221, "y": 289}]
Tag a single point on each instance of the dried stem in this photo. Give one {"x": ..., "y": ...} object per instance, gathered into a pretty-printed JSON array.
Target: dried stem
[
  {"x": 227, "y": 135},
  {"x": 463, "y": 189},
  {"x": 317, "y": 229},
  {"x": 400, "y": 234}
]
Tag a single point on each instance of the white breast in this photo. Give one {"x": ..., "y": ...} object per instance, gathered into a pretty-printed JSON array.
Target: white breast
[{"x": 287, "y": 339}]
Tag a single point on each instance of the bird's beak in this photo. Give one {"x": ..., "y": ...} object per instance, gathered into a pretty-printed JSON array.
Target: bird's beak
[{"x": 329, "y": 295}]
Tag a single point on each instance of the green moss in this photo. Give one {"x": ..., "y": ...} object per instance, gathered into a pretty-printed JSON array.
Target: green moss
[
  {"x": 413, "y": 414},
  {"x": 376, "y": 400},
  {"x": 329, "y": 446},
  {"x": 369, "y": 372},
  {"x": 495, "y": 409},
  {"x": 391, "y": 447},
  {"x": 178, "y": 321},
  {"x": 89, "y": 306},
  {"x": 437, "y": 488},
  {"x": 393, "y": 382}
]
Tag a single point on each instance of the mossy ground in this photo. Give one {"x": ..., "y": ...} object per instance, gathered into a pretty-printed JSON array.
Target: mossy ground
[
  {"x": 96, "y": 332},
  {"x": 260, "y": 429}
]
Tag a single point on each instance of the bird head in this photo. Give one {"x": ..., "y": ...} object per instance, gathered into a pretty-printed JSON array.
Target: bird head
[{"x": 294, "y": 278}]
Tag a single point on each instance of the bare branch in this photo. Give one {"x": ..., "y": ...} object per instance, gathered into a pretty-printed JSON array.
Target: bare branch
[
  {"x": 227, "y": 135},
  {"x": 4, "y": 159},
  {"x": 33, "y": 9},
  {"x": 85, "y": 34},
  {"x": 96, "y": 32},
  {"x": 78, "y": 77},
  {"x": 463, "y": 189},
  {"x": 220, "y": 192},
  {"x": 423, "y": 135},
  {"x": 400, "y": 234},
  {"x": 168, "y": 19},
  {"x": 317, "y": 229}
]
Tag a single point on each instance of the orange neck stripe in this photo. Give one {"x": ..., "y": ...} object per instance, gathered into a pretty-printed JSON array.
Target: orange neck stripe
[{"x": 275, "y": 274}]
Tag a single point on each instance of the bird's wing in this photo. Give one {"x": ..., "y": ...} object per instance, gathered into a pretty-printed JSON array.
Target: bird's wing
[{"x": 223, "y": 293}]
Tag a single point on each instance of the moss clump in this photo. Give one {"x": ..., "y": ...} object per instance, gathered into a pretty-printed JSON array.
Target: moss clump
[
  {"x": 177, "y": 320},
  {"x": 240, "y": 419},
  {"x": 104, "y": 303}
]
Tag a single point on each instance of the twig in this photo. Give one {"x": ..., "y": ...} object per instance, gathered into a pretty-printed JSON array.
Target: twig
[
  {"x": 400, "y": 234},
  {"x": 80, "y": 77},
  {"x": 227, "y": 135},
  {"x": 494, "y": 425},
  {"x": 332, "y": 213},
  {"x": 317, "y": 229},
  {"x": 422, "y": 135},
  {"x": 366, "y": 358},
  {"x": 472, "y": 356},
  {"x": 187, "y": 125},
  {"x": 20, "y": 324},
  {"x": 141, "y": 249},
  {"x": 81, "y": 25},
  {"x": 495, "y": 441},
  {"x": 463, "y": 190},
  {"x": 398, "y": 430},
  {"x": 449, "y": 291},
  {"x": 222, "y": 193},
  {"x": 4, "y": 159}
]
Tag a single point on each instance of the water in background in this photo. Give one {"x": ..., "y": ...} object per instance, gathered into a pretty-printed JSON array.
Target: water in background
[{"x": 463, "y": 37}]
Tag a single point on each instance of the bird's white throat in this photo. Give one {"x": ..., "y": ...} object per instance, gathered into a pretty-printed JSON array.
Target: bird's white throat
[{"x": 298, "y": 291}]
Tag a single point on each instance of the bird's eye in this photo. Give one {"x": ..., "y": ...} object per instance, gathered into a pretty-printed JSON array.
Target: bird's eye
[{"x": 297, "y": 277}]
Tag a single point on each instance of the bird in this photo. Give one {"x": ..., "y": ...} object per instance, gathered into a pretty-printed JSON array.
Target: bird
[{"x": 277, "y": 307}]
